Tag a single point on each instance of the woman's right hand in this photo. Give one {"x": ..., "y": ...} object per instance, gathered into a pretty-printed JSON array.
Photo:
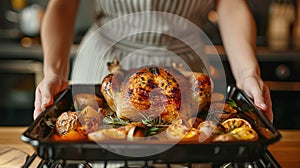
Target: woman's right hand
[{"x": 45, "y": 92}]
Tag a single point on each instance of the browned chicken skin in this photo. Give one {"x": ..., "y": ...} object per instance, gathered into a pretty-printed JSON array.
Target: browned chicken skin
[
  {"x": 201, "y": 89},
  {"x": 151, "y": 91},
  {"x": 155, "y": 91},
  {"x": 111, "y": 84},
  {"x": 108, "y": 91}
]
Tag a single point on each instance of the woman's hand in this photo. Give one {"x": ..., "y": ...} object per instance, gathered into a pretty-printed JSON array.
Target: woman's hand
[
  {"x": 57, "y": 33},
  {"x": 45, "y": 92},
  {"x": 259, "y": 91},
  {"x": 238, "y": 30}
]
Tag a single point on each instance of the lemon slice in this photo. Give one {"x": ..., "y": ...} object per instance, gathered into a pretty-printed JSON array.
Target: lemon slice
[
  {"x": 244, "y": 133},
  {"x": 233, "y": 123}
]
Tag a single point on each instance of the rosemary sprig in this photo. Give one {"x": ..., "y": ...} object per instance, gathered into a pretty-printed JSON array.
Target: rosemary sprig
[
  {"x": 151, "y": 131},
  {"x": 115, "y": 120},
  {"x": 149, "y": 121},
  {"x": 154, "y": 125}
]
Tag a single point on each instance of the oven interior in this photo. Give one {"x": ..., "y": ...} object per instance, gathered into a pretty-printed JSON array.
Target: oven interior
[{"x": 18, "y": 81}]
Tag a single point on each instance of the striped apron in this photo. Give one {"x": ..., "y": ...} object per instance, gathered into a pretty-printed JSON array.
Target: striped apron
[{"x": 141, "y": 32}]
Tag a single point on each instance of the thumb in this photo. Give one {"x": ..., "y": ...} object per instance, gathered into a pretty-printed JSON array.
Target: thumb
[
  {"x": 47, "y": 99},
  {"x": 263, "y": 101},
  {"x": 257, "y": 94},
  {"x": 260, "y": 102}
]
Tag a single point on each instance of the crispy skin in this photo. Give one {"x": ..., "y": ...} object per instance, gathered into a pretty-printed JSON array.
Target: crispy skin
[
  {"x": 112, "y": 83},
  {"x": 110, "y": 87},
  {"x": 108, "y": 92},
  {"x": 152, "y": 91},
  {"x": 201, "y": 89}
]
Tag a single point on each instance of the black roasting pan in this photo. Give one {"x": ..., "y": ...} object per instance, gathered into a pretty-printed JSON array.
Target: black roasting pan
[{"x": 39, "y": 135}]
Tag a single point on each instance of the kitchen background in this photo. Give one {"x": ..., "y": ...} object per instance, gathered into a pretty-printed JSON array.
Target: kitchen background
[{"x": 278, "y": 52}]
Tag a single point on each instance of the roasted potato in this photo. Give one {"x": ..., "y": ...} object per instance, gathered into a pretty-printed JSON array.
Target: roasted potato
[
  {"x": 85, "y": 99},
  {"x": 66, "y": 122},
  {"x": 89, "y": 119}
]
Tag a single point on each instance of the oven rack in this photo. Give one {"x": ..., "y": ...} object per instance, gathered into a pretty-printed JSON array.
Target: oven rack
[{"x": 266, "y": 161}]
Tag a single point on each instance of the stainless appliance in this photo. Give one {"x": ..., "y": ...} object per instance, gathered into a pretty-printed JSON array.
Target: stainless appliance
[{"x": 18, "y": 81}]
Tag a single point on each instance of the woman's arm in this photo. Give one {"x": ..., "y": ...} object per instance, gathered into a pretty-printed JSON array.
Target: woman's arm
[
  {"x": 238, "y": 30},
  {"x": 57, "y": 36},
  {"x": 57, "y": 33}
]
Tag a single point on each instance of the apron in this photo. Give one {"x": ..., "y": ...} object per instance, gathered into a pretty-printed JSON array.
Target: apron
[{"x": 142, "y": 32}]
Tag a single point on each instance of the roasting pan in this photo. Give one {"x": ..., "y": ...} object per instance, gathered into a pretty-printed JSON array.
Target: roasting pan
[{"x": 39, "y": 135}]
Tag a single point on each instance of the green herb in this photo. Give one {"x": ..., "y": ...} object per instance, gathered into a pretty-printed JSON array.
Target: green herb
[
  {"x": 115, "y": 120},
  {"x": 232, "y": 103},
  {"x": 151, "y": 131},
  {"x": 149, "y": 121},
  {"x": 154, "y": 125},
  {"x": 246, "y": 108}
]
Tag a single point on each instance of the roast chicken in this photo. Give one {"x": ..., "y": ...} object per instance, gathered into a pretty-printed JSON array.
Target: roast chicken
[
  {"x": 166, "y": 102},
  {"x": 155, "y": 91}
]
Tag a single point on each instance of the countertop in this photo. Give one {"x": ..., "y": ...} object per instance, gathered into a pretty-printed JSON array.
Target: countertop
[{"x": 286, "y": 151}]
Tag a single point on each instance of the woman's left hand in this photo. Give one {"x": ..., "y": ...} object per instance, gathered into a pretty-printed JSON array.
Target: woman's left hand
[{"x": 255, "y": 87}]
